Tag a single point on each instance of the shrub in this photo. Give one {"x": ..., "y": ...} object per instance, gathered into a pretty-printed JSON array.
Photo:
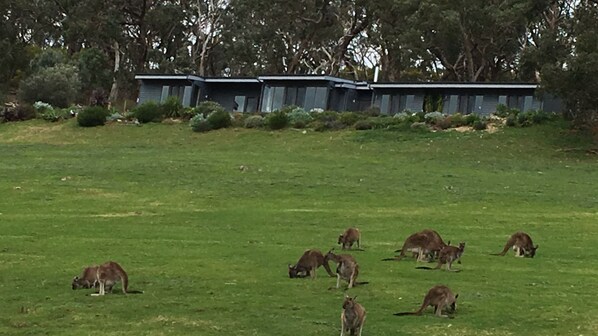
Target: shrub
[
  {"x": 148, "y": 112},
  {"x": 432, "y": 117},
  {"x": 524, "y": 119},
  {"x": 199, "y": 123},
  {"x": 443, "y": 123},
  {"x": 219, "y": 119},
  {"x": 457, "y": 120},
  {"x": 187, "y": 113},
  {"x": 511, "y": 121},
  {"x": 502, "y": 111},
  {"x": 58, "y": 86},
  {"x": 349, "y": 118},
  {"x": 277, "y": 120},
  {"x": 208, "y": 107},
  {"x": 92, "y": 116},
  {"x": 20, "y": 112},
  {"x": 254, "y": 121},
  {"x": 362, "y": 125},
  {"x": 479, "y": 125},
  {"x": 172, "y": 107},
  {"x": 372, "y": 111},
  {"x": 385, "y": 122},
  {"x": 471, "y": 118},
  {"x": 403, "y": 116},
  {"x": 326, "y": 116},
  {"x": 419, "y": 126},
  {"x": 238, "y": 119},
  {"x": 298, "y": 118}
]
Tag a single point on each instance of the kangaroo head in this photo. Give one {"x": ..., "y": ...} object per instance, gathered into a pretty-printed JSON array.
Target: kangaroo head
[
  {"x": 532, "y": 252},
  {"x": 79, "y": 283},
  {"x": 292, "y": 271},
  {"x": 462, "y": 246},
  {"x": 453, "y": 305},
  {"x": 349, "y": 302}
]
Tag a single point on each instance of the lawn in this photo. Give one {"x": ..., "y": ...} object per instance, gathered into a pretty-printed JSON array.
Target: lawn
[{"x": 209, "y": 243}]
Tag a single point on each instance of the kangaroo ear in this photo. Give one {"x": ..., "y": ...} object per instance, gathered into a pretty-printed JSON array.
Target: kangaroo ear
[
  {"x": 536, "y": 247},
  {"x": 355, "y": 297},
  {"x": 448, "y": 242},
  {"x": 456, "y": 296},
  {"x": 76, "y": 278}
]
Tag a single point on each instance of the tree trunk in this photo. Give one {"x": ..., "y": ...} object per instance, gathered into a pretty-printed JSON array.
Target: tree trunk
[{"x": 114, "y": 89}]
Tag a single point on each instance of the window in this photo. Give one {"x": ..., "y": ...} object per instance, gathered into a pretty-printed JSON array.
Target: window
[{"x": 275, "y": 97}]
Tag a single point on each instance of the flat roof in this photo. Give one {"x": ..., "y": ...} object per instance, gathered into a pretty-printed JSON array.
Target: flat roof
[
  {"x": 463, "y": 85},
  {"x": 306, "y": 77}
]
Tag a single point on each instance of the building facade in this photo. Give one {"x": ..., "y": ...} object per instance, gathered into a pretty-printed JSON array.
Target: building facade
[{"x": 270, "y": 93}]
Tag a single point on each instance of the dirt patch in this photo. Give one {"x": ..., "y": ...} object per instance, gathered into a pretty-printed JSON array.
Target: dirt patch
[
  {"x": 122, "y": 214},
  {"x": 45, "y": 133}
]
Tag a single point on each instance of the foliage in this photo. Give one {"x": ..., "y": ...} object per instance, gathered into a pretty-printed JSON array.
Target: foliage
[
  {"x": 511, "y": 121},
  {"x": 444, "y": 123},
  {"x": 457, "y": 120},
  {"x": 432, "y": 117},
  {"x": 298, "y": 117},
  {"x": 199, "y": 123},
  {"x": 208, "y": 107},
  {"x": 92, "y": 116},
  {"x": 277, "y": 120},
  {"x": 362, "y": 125},
  {"x": 172, "y": 107},
  {"x": 254, "y": 121},
  {"x": 372, "y": 111},
  {"x": 48, "y": 58},
  {"x": 479, "y": 125},
  {"x": 58, "y": 86},
  {"x": 94, "y": 69},
  {"x": 350, "y": 118},
  {"x": 326, "y": 116},
  {"x": 20, "y": 112},
  {"x": 471, "y": 118},
  {"x": 219, "y": 119},
  {"x": 148, "y": 112}
]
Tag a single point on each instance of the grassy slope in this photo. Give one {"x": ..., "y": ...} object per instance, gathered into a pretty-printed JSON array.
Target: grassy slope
[{"x": 209, "y": 244}]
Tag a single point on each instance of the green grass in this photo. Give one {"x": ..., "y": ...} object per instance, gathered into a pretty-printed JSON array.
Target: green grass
[{"x": 209, "y": 244}]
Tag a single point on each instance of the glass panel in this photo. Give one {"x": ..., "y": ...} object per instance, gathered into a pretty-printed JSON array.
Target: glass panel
[
  {"x": 277, "y": 97},
  {"x": 251, "y": 104},
  {"x": 321, "y": 98},
  {"x": 291, "y": 96},
  {"x": 239, "y": 105},
  {"x": 267, "y": 99},
  {"x": 385, "y": 104},
  {"x": 300, "y": 97},
  {"x": 310, "y": 94}
]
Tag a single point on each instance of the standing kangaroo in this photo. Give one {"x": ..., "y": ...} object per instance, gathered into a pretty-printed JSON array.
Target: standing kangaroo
[
  {"x": 448, "y": 256},
  {"x": 349, "y": 237},
  {"x": 522, "y": 244},
  {"x": 352, "y": 317},
  {"x": 87, "y": 279},
  {"x": 110, "y": 273},
  {"x": 346, "y": 269},
  {"x": 440, "y": 297},
  {"x": 423, "y": 242},
  {"x": 308, "y": 263}
]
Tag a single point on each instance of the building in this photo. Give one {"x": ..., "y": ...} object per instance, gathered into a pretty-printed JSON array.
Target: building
[{"x": 270, "y": 93}]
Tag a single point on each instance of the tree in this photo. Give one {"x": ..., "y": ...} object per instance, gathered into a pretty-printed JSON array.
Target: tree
[{"x": 58, "y": 85}]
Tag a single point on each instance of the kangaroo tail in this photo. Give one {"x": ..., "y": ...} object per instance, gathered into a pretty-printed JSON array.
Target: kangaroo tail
[
  {"x": 390, "y": 259},
  {"x": 406, "y": 313},
  {"x": 327, "y": 267},
  {"x": 425, "y": 268},
  {"x": 361, "y": 282},
  {"x": 497, "y": 254},
  {"x": 134, "y": 292}
]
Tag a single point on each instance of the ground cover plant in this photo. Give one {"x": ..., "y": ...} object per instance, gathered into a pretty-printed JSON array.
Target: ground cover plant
[{"x": 206, "y": 223}]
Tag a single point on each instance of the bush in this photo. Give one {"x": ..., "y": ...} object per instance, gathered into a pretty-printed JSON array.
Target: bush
[
  {"x": 148, "y": 112},
  {"x": 58, "y": 86},
  {"x": 187, "y": 113},
  {"x": 471, "y": 118},
  {"x": 254, "y": 121},
  {"x": 277, "y": 120},
  {"x": 219, "y": 119},
  {"x": 372, "y": 111},
  {"x": 362, "y": 125},
  {"x": 208, "y": 107},
  {"x": 238, "y": 119},
  {"x": 511, "y": 121},
  {"x": 457, "y": 120},
  {"x": 20, "y": 112},
  {"x": 524, "y": 119},
  {"x": 443, "y": 123},
  {"x": 479, "y": 125},
  {"x": 385, "y": 122},
  {"x": 92, "y": 116},
  {"x": 419, "y": 126},
  {"x": 432, "y": 117},
  {"x": 298, "y": 118},
  {"x": 199, "y": 123},
  {"x": 350, "y": 118},
  {"x": 502, "y": 111},
  {"x": 326, "y": 116},
  {"x": 172, "y": 107}
]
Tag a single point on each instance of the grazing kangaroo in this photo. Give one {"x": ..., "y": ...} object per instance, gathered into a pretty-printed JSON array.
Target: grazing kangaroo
[
  {"x": 440, "y": 297},
  {"x": 422, "y": 243},
  {"x": 352, "y": 317},
  {"x": 522, "y": 244},
  {"x": 308, "y": 263},
  {"x": 349, "y": 237},
  {"x": 448, "y": 256},
  {"x": 346, "y": 269},
  {"x": 109, "y": 274}
]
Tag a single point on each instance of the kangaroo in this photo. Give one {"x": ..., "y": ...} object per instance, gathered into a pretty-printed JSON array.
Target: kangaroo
[
  {"x": 87, "y": 279},
  {"x": 347, "y": 268},
  {"x": 423, "y": 242},
  {"x": 349, "y": 237},
  {"x": 308, "y": 263},
  {"x": 448, "y": 256},
  {"x": 441, "y": 297},
  {"x": 352, "y": 317},
  {"x": 522, "y": 244},
  {"x": 109, "y": 274}
]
